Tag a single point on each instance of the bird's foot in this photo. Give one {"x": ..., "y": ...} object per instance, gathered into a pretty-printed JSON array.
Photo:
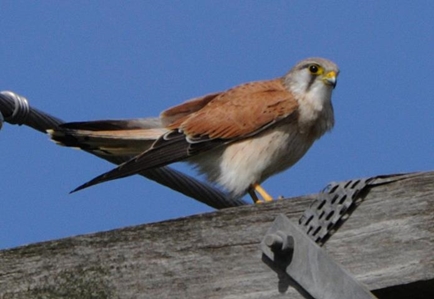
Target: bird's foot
[{"x": 265, "y": 196}]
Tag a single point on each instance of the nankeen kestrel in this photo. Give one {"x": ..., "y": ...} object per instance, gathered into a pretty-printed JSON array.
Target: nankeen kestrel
[{"x": 237, "y": 138}]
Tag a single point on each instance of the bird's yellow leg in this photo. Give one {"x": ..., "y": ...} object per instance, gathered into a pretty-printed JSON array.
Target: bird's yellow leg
[
  {"x": 254, "y": 196},
  {"x": 265, "y": 196}
]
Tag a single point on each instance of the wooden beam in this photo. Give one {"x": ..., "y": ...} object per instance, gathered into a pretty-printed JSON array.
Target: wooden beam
[{"x": 388, "y": 244}]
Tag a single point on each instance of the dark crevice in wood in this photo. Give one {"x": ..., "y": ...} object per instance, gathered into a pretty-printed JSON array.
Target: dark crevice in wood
[{"x": 415, "y": 290}]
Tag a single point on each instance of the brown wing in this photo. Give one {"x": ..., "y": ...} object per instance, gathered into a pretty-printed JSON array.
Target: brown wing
[
  {"x": 238, "y": 112},
  {"x": 180, "y": 111},
  {"x": 232, "y": 115}
]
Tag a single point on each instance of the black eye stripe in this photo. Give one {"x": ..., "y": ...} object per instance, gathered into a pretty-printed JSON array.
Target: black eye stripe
[
  {"x": 313, "y": 68},
  {"x": 312, "y": 79}
]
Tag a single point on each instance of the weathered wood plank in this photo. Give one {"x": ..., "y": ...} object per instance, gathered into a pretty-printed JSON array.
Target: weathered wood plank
[{"x": 388, "y": 241}]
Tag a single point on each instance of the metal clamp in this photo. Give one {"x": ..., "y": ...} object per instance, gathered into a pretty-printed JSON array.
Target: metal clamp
[
  {"x": 21, "y": 109},
  {"x": 294, "y": 249},
  {"x": 287, "y": 245},
  {"x": 2, "y": 120}
]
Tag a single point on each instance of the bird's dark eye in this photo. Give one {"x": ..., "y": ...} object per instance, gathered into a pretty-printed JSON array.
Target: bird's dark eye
[{"x": 314, "y": 69}]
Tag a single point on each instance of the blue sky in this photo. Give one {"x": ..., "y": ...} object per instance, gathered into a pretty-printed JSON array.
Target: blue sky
[{"x": 88, "y": 60}]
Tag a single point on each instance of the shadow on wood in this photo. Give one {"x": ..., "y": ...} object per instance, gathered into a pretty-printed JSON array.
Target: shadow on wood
[{"x": 387, "y": 244}]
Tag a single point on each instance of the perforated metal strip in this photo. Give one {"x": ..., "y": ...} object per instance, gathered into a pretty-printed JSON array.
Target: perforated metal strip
[
  {"x": 335, "y": 204},
  {"x": 331, "y": 209}
]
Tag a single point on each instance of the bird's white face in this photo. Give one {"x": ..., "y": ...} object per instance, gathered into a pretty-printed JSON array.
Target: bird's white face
[
  {"x": 314, "y": 78},
  {"x": 312, "y": 82}
]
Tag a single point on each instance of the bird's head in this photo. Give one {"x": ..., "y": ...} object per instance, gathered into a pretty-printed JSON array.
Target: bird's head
[{"x": 312, "y": 75}]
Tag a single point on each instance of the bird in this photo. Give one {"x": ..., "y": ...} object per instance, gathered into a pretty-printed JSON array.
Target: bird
[{"x": 237, "y": 138}]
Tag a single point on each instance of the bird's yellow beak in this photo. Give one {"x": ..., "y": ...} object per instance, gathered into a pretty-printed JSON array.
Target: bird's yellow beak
[{"x": 330, "y": 78}]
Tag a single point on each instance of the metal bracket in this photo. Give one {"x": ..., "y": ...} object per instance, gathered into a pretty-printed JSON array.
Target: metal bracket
[
  {"x": 292, "y": 249},
  {"x": 287, "y": 245}
]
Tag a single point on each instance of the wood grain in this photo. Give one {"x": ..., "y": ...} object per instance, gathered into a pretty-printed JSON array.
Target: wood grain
[{"x": 388, "y": 244}]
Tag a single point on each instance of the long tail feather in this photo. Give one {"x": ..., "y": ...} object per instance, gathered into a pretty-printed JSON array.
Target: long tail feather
[{"x": 173, "y": 150}]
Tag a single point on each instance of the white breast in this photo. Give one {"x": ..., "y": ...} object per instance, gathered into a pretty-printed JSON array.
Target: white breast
[
  {"x": 243, "y": 163},
  {"x": 236, "y": 166}
]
